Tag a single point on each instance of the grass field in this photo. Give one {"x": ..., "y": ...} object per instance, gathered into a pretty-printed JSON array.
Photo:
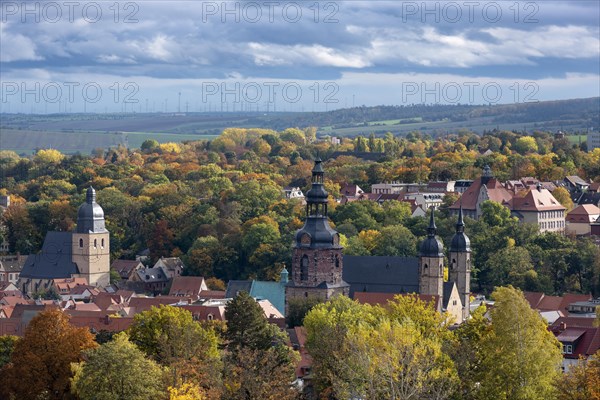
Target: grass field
[{"x": 27, "y": 141}]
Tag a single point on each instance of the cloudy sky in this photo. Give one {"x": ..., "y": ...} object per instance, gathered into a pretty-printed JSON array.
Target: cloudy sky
[{"x": 293, "y": 56}]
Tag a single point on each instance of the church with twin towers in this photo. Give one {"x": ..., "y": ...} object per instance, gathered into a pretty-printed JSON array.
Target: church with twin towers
[{"x": 321, "y": 270}]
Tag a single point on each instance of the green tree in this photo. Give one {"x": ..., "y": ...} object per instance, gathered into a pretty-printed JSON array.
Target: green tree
[
  {"x": 298, "y": 308},
  {"x": 520, "y": 358},
  {"x": 7, "y": 346},
  {"x": 118, "y": 370},
  {"x": 510, "y": 266},
  {"x": 170, "y": 336},
  {"x": 247, "y": 326}
]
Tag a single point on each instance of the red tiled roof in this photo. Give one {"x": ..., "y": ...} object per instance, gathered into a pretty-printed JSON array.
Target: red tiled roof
[
  {"x": 550, "y": 303},
  {"x": 533, "y": 298},
  {"x": 186, "y": 286},
  {"x": 568, "y": 329},
  {"x": 145, "y": 303},
  {"x": 536, "y": 200}
]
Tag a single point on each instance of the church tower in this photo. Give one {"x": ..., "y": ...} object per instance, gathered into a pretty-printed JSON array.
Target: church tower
[
  {"x": 431, "y": 263},
  {"x": 317, "y": 254},
  {"x": 460, "y": 263},
  {"x": 91, "y": 242}
]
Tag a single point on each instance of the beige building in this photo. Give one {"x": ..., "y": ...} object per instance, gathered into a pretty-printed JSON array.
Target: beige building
[
  {"x": 538, "y": 206},
  {"x": 579, "y": 220}
]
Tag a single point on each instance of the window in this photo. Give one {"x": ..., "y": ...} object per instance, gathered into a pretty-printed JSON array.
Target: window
[
  {"x": 95, "y": 243},
  {"x": 304, "y": 268},
  {"x": 210, "y": 317},
  {"x": 80, "y": 243},
  {"x": 567, "y": 349},
  {"x": 102, "y": 243}
]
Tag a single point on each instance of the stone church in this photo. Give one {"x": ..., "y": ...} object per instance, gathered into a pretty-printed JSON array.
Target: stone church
[
  {"x": 319, "y": 268},
  {"x": 84, "y": 253}
]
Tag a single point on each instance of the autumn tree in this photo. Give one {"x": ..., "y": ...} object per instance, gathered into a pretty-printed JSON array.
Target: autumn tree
[
  {"x": 40, "y": 365},
  {"x": 117, "y": 370},
  {"x": 520, "y": 358},
  {"x": 170, "y": 336},
  {"x": 581, "y": 381},
  {"x": 564, "y": 197}
]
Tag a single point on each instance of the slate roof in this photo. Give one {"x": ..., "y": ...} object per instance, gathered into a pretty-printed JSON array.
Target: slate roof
[
  {"x": 151, "y": 275},
  {"x": 54, "y": 261},
  {"x": 233, "y": 287},
  {"x": 381, "y": 274},
  {"x": 125, "y": 267},
  {"x": 448, "y": 286}
]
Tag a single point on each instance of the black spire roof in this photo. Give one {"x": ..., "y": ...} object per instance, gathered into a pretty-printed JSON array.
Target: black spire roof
[
  {"x": 460, "y": 241},
  {"x": 317, "y": 233},
  {"x": 90, "y": 217},
  {"x": 431, "y": 246}
]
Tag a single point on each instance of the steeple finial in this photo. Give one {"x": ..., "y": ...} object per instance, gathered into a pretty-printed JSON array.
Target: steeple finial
[
  {"x": 90, "y": 195},
  {"x": 431, "y": 229},
  {"x": 460, "y": 224}
]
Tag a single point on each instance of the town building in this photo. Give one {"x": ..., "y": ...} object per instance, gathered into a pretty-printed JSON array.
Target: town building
[
  {"x": 580, "y": 219},
  {"x": 10, "y": 268},
  {"x": 529, "y": 202},
  {"x": 84, "y": 253},
  {"x": 593, "y": 140}
]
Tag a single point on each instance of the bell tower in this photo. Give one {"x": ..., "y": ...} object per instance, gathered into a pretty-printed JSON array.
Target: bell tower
[
  {"x": 317, "y": 255},
  {"x": 91, "y": 242},
  {"x": 431, "y": 263},
  {"x": 460, "y": 263}
]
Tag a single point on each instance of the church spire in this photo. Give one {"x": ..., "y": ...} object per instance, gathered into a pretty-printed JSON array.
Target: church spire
[
  {"x": 431, "y": 229},
  {"x": 460, "y": 224}
]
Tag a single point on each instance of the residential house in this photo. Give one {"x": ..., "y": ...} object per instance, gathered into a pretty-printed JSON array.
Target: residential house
[
  {"x": 426, "y": 200},
  {"x": 573, "y": 182},
  {"x": 173, "y": 266},
  {"x": 461, "y": 185},
  {"x": 579, "y": 338},
  {"x": 188, "y": 286},
  {"x": 292, "y": 192},
  {"x": 126, "y": 268},
  {"x": 153, "y": 280},
  {"x": 11, "y": 267},
  {"x": 579, "y": 220}
]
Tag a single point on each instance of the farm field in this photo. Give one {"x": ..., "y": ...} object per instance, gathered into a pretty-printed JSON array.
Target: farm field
[{"x": 28, "y": 141}]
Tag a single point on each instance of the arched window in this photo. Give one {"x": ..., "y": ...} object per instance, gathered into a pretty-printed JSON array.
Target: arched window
[
  {"x": 102, "y": 243},
  {"x": 304, "y": 268},
  {"x": 95, "y": 243},
  {"x": 210, "y": 317},
  {"x": 81, "y": 243},
  {"x": 337, "y": 261}
]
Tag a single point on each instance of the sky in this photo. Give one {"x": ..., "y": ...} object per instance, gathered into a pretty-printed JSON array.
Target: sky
[{"x": 178, "y": 56}]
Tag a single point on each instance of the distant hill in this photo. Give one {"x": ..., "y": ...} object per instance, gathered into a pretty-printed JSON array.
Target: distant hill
[{"x": 84, "y": 132}]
